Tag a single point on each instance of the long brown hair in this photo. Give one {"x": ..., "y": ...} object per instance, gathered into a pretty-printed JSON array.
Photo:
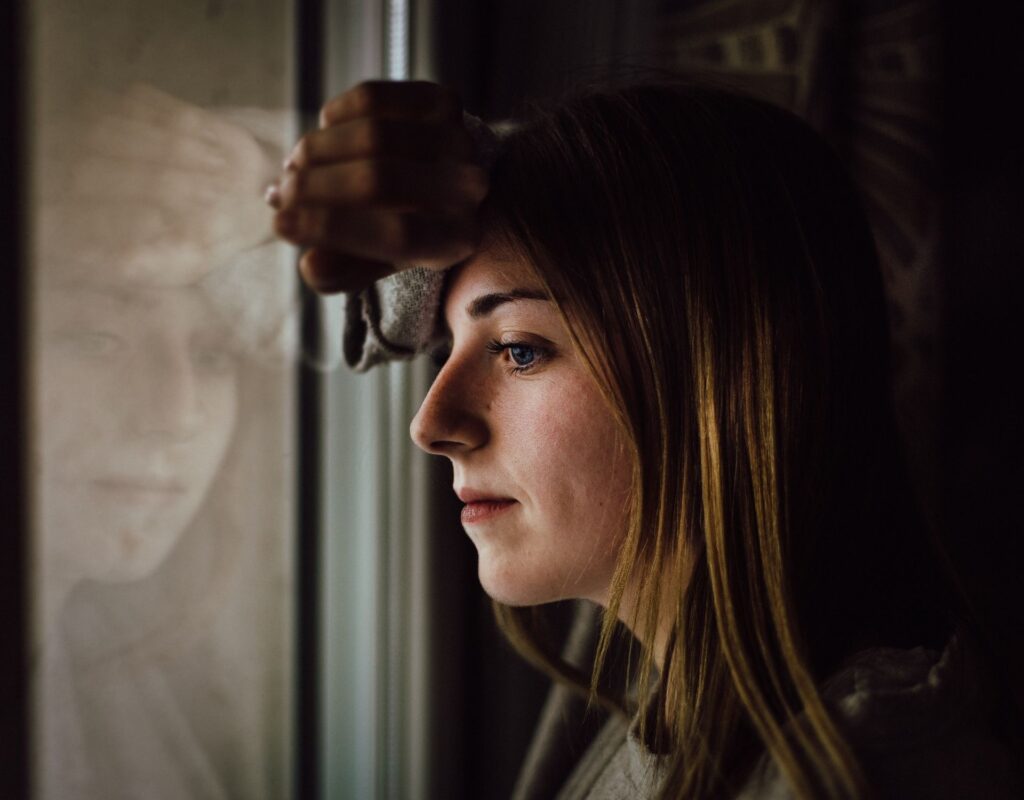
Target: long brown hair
[{"x": 713, "y": 266}]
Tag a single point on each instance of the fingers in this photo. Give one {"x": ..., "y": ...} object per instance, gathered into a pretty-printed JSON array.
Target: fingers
[
  {"x": 385, "y": 184},
  {"x": 381, "y": 236},
  {"x": 369, "y": 138},
  {"x": 391, "y": 179},
  {"x": 330, "y": 273},
  {"x": 407, "y": 100},
  {"x": 144, "y": 143}
]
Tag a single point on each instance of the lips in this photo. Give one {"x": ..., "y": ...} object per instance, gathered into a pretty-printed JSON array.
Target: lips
[
  {"x": 482, "y": 506},
  {"x": 484, "y": 510}
]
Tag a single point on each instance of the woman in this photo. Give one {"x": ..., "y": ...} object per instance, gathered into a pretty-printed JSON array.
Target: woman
[
  {"x": 161, "y": 386},
  {"x": 667, "y": 392}
]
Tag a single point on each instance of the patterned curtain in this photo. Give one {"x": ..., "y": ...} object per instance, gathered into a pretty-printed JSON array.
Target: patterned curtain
[{"x": 865, "y": 75}]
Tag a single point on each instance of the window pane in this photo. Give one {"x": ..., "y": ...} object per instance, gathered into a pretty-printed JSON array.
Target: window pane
[{"x": 163, "y": 336}]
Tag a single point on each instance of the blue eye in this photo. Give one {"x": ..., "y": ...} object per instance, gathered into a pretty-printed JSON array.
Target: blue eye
[
  {"x": 523, "y": 357},
  {"x": 522, "y": 354}
]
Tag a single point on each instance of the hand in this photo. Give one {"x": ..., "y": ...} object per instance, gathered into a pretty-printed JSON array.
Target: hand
[
  {"x": 388, "y": 181},
  {"x": 150, "y": 189}
]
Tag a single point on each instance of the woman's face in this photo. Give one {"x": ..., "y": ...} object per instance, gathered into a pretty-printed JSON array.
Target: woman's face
[
  {"x": 137, "y": 402},
  {"x": 536, "y": 455}
]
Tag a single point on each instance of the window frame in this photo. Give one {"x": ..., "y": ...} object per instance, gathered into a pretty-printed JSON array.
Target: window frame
[{"x": 14, "y": 633}]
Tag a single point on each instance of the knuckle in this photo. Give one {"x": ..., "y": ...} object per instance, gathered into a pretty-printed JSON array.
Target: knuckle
[
  {"x": 299, "y": 186},
  {"x": 369, "y": 184},
  {"x": 366, "y": 97},
  {"x": 303, "y": 152},
  {"x": 315, "y": 223},
  {"x": 331, "y": 107}
]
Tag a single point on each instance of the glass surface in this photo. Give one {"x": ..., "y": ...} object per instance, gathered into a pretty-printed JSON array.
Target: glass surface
[{"x": 163, "y": 441}]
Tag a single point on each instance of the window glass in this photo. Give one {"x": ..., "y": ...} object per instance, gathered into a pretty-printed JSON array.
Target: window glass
[{"x": 163, "y": 353}]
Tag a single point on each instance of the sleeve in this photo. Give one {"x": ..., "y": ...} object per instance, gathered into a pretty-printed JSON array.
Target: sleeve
[
  {"x": 398, "y": 317},
  {"x": 567, "y": 725}
]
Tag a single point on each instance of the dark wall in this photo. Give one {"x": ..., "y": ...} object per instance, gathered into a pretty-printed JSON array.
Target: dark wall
[
  {"x": 502, "y": 52},
  {"x": 982, "y": 436}
]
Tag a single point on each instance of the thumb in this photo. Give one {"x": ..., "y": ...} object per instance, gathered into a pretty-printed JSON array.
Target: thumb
[{"x": 330, "y": 272}]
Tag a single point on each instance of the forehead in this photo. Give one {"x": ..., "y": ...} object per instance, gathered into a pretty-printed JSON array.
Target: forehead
[
  {"x": 489, "y": 271},
  {"x": 171, "y": 307}
]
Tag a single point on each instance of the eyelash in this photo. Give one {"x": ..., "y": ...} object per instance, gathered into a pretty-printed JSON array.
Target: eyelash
[{"x": 541, "y": 354}]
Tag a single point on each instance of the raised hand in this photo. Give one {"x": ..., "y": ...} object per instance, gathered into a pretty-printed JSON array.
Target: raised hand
[
  {"x": 150, "y": 189},
  {"x": 389, "y": 180}
]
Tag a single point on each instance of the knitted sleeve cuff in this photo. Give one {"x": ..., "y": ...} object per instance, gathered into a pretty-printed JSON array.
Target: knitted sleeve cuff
[{"x": 399, "y": 316}]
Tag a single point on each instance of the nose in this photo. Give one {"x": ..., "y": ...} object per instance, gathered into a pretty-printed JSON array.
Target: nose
[
  {"x": 450, "y": 420},
  {"x": 169, "y": 403}
]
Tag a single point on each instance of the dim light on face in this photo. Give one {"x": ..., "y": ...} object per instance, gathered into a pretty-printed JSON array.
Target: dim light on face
[{"x": 537, "y": 458}]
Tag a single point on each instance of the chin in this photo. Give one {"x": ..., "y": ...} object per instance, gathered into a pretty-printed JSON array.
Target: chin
[
  {"x": 128, "y": 570},
  {"x": 514, "y": 586},
  {"x": 135, "y": 555}
]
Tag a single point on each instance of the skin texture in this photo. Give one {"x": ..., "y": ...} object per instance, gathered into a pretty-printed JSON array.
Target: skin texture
[{"x": 542, "y": 437}]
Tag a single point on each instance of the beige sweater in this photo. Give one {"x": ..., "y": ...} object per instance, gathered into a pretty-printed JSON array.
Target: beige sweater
[{"x": 919, "y": 721}]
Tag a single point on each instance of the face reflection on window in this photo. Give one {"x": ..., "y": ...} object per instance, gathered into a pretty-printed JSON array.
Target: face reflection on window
[{"x": 138, "y": 396}]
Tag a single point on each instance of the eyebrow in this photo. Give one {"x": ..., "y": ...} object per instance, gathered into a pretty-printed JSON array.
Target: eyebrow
[{"x": 483, "y": 305}]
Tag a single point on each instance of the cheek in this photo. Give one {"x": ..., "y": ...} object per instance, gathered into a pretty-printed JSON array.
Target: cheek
[
  {"x": 220, "y": 401},
  {"x": 576, "y": 462},
  {"x": 79, "y": 405}
]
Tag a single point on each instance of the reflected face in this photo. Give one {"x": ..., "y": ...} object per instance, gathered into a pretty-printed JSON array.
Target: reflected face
[
  {"x": 137, "y": 405},
  {"x": 537, "y": 457}
]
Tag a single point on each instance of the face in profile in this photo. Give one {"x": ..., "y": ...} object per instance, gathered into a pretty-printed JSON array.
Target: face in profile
[
  {"x": 537, "y": 457},
  {"x": 137, "y": 403}
]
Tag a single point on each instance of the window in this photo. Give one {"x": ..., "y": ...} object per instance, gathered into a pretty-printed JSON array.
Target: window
[{"x": 163, "y": 344}]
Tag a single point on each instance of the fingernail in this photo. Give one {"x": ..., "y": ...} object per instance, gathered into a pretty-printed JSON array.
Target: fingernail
[{"x": 272, "y": 196}]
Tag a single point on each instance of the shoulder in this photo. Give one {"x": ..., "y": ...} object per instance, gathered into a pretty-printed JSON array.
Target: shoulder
[{"x": 921, "y": 723}]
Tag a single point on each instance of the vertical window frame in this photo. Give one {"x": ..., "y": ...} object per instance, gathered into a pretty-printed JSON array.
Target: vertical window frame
[{"x": 15, "y": 733}]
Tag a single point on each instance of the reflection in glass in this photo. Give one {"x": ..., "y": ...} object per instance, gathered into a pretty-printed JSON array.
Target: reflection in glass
[{"x": 163, "y": 320}]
